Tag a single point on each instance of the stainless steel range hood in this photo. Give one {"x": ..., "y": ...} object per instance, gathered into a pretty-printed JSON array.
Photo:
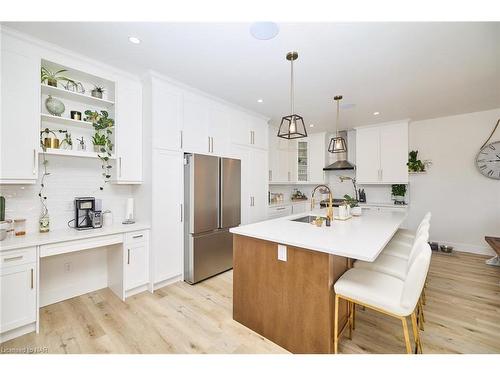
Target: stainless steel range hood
[{"x": 341, "y": 164}]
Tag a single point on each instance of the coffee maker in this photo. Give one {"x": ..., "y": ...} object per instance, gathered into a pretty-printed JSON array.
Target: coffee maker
[{"x": 88, "y": 213}]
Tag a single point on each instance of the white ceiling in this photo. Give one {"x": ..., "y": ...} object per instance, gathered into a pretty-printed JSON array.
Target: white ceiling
[{"x": 402, "y": 70}]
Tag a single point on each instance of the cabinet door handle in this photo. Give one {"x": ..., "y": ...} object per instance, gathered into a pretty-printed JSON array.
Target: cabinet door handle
[
  {"x": 119, "y": 166},
  {"x": 208, "y": 144},
  {"x": 253, "y": 137},
  {"x": 381, "y": 174},
  {"x": 182, "y": 213},
  {"x": 270, "y": 175},
  {"x": 128, "y": 256},
  {"x": 280, "y": 208},
  {"x": 212, "y": 143},
  {"x": 34, "y": 161},
  {"x": 32, "y": 281},
  {"x": 11, "y": 259},
  {"x": 289, "y": 178},
  {"x": 138, "y": 236},
  {"x": 182, "y": 140}
]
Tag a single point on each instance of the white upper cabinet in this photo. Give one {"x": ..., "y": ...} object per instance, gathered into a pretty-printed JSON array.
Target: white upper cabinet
[
  {"x": 20, "y": 117},
  {"x": 284, "y": 157},
  {"x": 166, "y": 116},
  {"x": 382, "y": 154},
  {"x": 218, "y": 129},
  {"x": 195, "y": 129},
  {"x": 128, "y": 133},
  {"x": 249, "y": 130}
]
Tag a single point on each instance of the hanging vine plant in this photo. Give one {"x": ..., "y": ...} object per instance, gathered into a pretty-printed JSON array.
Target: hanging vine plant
[
  {"x": 44, "y": 223},
  {"x": 103, "y": 144}
]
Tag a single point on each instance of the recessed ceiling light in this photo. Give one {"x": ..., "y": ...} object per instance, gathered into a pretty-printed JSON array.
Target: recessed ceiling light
[
  {"x": 264, "y": 30},
  {"x": 376, "y": 113},
  {"x": 260, "y": 100},
  {"x": 134, "y": 40},
  {"x": 311, "y": 125}
]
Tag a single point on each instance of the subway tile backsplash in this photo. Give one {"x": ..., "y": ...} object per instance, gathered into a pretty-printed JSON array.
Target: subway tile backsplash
[{"x": 70, "y": 177}]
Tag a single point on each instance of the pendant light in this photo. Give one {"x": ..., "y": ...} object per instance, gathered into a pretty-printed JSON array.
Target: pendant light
[
  {"x": 337, "y": 143},
  {"x": 292, "y": 126}
]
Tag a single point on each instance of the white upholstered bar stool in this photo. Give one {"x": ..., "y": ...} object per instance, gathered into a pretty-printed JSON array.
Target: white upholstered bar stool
[
  {"x": 402, "y": 247},
  {"x": 386, "y": 294},
  {"x": 406, "y": 234}
]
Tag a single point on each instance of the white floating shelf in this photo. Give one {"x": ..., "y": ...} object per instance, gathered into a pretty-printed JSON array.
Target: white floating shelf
[
  {"x": 66, "y": 121},
  {"x": 73, "y": 153},
  {"x": 75, "y": 96}
]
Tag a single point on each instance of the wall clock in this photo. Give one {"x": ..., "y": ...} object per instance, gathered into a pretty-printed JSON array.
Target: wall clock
[{"x": 488, "y": 160}]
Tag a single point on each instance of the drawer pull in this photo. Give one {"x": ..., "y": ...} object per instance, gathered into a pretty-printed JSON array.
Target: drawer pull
[
  {"x": 137, "y": 236},
  {"x": 280, "y": 208},
  {"x": 128, "y": 256},
  {"x": 12, "y": 259},
  {"x": 32, "y": 278}
]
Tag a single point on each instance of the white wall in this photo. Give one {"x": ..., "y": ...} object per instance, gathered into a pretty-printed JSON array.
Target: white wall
[
  {"x": 465, "y": 205},
  {"x": 70, "y": 177}
]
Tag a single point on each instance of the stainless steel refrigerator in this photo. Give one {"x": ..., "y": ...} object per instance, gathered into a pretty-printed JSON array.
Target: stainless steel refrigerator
[{"x": 212, "y": 205}]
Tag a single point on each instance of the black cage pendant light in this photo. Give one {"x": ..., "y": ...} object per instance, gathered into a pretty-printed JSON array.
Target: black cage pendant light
[
  {"x": 292, "y": 126},
  {"x": 337, "y": 143}
]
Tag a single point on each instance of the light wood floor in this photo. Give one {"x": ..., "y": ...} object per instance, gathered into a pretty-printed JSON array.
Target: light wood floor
[{"x": 462, "y": 316}]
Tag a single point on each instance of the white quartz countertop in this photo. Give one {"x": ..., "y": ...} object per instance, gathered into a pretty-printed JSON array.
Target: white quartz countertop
[
  {"x": 362, "y": 237},
  {"x": 69, "y": 234}
]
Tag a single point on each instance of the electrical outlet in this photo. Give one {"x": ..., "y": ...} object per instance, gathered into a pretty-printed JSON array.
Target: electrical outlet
[
  {"x": 67, "y": 267},
  {"x": 282, "y": 253}
]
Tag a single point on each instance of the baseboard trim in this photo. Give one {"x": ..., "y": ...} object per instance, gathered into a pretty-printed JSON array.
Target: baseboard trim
[
  {"x": 468, "y": 248},
  {"x": 161, "y": 284},
  {"x": 16, "y": 332}
]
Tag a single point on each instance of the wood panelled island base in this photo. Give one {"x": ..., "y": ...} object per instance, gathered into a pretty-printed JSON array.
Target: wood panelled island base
[{"x": 289, "y": 302}]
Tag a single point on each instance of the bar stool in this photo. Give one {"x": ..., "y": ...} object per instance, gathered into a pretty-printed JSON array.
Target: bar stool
[
  {"x": 401, "y": 248},
  {"x": 404, "y": 234},
  {"x": 386, "y": 294}
]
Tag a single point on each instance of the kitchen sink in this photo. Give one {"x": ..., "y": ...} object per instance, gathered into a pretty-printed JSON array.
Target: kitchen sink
[{"x": 307, "y": 219}]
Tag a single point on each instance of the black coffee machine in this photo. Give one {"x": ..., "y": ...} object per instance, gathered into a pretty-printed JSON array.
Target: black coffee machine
[{"x": 88, "y": 213}]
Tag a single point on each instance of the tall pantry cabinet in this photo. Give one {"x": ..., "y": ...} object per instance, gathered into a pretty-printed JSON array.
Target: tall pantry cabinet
[{"x": 179, "y": 120}]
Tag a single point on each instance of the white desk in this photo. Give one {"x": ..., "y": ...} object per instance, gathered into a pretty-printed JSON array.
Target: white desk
[{"x": 127, "y": 269}]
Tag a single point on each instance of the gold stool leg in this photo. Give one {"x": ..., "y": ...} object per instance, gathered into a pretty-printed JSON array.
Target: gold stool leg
[
  {"x": 406, "y": 335},
  {"x": 349, "y": 318},
  {"x": 353, "y": 316},
  {"x": 416, "y": 334},
  {"x": 336, "y": 326}
]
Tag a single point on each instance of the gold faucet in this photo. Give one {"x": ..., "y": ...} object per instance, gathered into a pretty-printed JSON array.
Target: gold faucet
[{"x": 329, "y": 212}]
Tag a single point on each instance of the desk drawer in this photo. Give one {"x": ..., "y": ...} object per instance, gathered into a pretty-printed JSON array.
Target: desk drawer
[
  {"x": 136, "y": 237},
  {"x": 77, "y": 245},
  {"x": 17, "y": 257}
]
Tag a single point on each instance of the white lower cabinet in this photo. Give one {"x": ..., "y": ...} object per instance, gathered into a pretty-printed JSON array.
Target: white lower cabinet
[
  {"x": 18, "y": 279},
  {"x": 167, "y": 229},
  {"x": 136, "y": 269}
]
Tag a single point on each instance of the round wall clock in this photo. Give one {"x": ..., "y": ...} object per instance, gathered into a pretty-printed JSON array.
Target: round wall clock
[{"x": 488, "y": 160}]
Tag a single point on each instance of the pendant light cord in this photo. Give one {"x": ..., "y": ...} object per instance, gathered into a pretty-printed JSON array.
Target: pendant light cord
[
  {"x": 292, "y": 109},
  {"x": 337, "y": 121}
]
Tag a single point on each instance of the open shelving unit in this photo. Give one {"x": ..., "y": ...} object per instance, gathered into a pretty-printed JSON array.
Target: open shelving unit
[{"x": 75, "y": 101}]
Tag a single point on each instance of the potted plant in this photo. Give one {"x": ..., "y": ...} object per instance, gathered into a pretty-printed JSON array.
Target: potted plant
[
  {"x": 414, "y": 164},
  {"x": 103, "y": 144},
  {"x": 97, "y": 91},
  {"x": 53, "y": 77},
  {"x": 353, "y": 203},
  {"x": 399, "y": 192},
  {"x": 99, "y": 142}
]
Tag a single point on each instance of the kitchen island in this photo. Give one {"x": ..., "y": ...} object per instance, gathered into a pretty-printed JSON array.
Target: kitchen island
[{"x": 284, "y": 270}]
